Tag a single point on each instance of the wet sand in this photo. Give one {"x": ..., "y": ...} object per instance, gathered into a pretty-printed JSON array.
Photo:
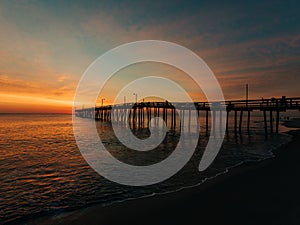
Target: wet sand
[{"x": 267, "y": 192}]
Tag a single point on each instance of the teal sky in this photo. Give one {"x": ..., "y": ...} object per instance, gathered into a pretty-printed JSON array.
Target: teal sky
[{"x": 45, "y": 46}]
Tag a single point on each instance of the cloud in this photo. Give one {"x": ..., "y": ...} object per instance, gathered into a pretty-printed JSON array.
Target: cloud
[{"x": 50, "y": 89}]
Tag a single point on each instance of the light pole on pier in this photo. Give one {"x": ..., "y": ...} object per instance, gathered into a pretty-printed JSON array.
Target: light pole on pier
[
  {"x": 247, "y": 94},
  {"x": 102, "y": 100},
  {"x": 135, "y": 97}
]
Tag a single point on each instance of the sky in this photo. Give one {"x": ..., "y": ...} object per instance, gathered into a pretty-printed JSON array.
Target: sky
[{"x": 45, "y": 46}]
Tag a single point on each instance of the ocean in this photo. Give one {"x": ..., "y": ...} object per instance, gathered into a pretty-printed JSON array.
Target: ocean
[{"x": 42, "y": 171}]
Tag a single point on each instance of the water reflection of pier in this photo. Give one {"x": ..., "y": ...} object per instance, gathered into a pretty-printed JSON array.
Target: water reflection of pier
[{"x": 138, "y": 114}]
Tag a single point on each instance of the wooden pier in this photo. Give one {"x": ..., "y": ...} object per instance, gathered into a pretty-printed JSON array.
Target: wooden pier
[{"x": 138, "y": 113}]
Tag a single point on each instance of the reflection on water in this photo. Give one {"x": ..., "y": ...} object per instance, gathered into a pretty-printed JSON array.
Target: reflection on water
[{"x": 42, "y": 170}]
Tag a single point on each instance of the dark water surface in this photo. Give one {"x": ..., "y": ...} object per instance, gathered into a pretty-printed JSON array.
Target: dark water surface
[{"x": 42, "y": 170}]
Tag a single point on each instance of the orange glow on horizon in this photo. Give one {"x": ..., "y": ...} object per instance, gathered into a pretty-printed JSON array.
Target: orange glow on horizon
[{"x": 32, "y": 104}]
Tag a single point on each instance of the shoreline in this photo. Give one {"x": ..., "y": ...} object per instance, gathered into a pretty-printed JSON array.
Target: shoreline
[{"x": 200, "y": 203}]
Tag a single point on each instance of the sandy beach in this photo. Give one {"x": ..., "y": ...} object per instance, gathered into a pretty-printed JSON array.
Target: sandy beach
[{"x": 264, "y": 193}]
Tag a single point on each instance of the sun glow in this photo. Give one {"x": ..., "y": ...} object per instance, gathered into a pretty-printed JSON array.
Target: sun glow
[{"x": 21, "y": 103}]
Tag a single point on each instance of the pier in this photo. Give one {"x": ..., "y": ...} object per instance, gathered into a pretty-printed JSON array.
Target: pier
[{"x": 140, "y": 112}]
